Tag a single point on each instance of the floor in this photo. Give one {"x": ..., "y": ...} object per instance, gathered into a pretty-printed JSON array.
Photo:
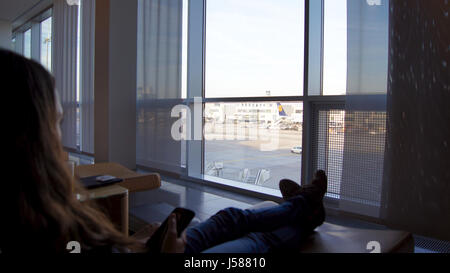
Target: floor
[{"x": 155, "y": 205}]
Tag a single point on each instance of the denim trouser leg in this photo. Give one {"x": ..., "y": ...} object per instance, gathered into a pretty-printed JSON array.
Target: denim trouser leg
[
  {"x": 258, "y": 230},
  {"x": 287, "y": 238}
]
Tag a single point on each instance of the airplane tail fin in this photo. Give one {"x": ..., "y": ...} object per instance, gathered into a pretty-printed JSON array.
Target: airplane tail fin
[{"x": 281, "y": 111}]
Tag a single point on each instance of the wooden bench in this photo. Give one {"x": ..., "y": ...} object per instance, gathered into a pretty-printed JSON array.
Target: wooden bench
[{"x": 331, "y": 238}]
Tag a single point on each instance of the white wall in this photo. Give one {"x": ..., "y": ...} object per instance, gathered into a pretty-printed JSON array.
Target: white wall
[{"x": 5, "y": 34}]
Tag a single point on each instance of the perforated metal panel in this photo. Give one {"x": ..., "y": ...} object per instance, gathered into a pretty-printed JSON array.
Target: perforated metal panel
[
  {"x": 328, "y": 143},
  {"x": 349, "y": 146},
  {"x": 432, "y": 244}
]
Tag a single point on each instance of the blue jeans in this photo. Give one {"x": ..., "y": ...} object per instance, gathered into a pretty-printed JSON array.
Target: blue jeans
[{"x": 232, "y": 230}]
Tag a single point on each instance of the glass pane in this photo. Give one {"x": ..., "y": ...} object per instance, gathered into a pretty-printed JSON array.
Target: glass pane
[
  {"x": 254, "y": 48},
  {"x": 349, "y": 146},
  {"x": 335, "y": 47},
  {"x": 355, "y": 47},
  {"x": 257, "y": 143},
  {"x": 161, "y": 82},
  {"x": 27, "y": 44},
  {"x": 46, "y": 43}
]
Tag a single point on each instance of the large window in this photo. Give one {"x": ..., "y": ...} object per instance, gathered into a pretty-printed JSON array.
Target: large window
[
  {"x": 34, "y": 38},
  {"x": 254, "y": 49},
  {"x": 277, "y": 96},
  {"x": 347, "y": 129},
  {"x": 57, "y": 31}
]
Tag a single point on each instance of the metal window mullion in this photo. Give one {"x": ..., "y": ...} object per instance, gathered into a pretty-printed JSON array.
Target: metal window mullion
[
  {"x": 36, "y": 42},
  {"x": 202, "y": 160},
  {"x": 322, "y": 32},
  {"x": 306, "y": 105},
  {"x": 306, "y": 142}
]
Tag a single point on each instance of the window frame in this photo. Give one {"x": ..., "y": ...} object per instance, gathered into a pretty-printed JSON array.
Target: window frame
[
  {"x": 195, "y": 160},
  {"x": 42, "y": 19},
  {"x": 195, "y": 165},
  {"x": 34, "y": 25}
]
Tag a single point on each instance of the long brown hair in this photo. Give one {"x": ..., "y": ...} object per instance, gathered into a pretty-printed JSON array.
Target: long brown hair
[{"x": 39, "y": 210}]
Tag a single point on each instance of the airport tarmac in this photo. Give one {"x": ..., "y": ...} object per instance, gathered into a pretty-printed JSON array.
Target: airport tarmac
[
  {"x": 234, "y": 156},
  {"x": 230, "y": 149},
  {"x": 252, "y": 148}
]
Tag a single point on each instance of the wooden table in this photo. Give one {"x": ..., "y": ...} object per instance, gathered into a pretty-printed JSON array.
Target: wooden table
[
  {"x": 132, "y": 180},
  {"x": 113, "y": 201}
]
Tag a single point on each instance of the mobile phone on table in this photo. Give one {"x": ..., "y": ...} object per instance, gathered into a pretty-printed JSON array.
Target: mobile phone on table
[{"x": 183, "y": 216}]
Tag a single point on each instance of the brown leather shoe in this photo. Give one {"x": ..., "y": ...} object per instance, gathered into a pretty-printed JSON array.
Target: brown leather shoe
[
  {"x": 321, "y": 181},
  {"x": 313, "y": 192},
  {"x": 316, "y": 189},
  {"x": 289, "y": 188}
]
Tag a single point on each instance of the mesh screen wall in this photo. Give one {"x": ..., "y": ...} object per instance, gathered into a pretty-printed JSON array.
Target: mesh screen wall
[
  {"x": 328, "y": 143},
  {"x": 349, "y": 146}
]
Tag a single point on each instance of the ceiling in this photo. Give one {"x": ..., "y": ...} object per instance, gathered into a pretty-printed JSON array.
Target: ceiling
[{"x": 12, "y": 9}]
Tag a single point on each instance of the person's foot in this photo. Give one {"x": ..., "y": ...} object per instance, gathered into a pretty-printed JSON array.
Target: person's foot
[
  {"x": 320, "y": 180},
  {"x": 289, "y": 188},
  {"x": 313, "y": 192},
  {"x": 316, "y": 188}
]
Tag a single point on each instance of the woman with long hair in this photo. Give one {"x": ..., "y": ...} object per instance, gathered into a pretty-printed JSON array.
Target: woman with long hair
[{"x": 40, "y": 211}]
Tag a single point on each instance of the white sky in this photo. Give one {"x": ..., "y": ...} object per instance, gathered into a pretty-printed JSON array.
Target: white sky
[
  {"x": 335, "y": 47},
  {"x": 46, "y": 43},
  {"x": 253, "y": 46}
]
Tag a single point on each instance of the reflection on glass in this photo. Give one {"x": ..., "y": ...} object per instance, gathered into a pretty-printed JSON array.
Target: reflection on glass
[
  {"x": 257, "y": 143},
  {"x": 355, "y": 47},
  {"x": 27, "y": 43},
  {"x": 254, "y": 48},
  {"x": 46, "y": 43}
]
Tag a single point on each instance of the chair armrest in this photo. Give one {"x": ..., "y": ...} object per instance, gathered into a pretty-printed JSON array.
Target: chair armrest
[{"x": 142, "y": 183}]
